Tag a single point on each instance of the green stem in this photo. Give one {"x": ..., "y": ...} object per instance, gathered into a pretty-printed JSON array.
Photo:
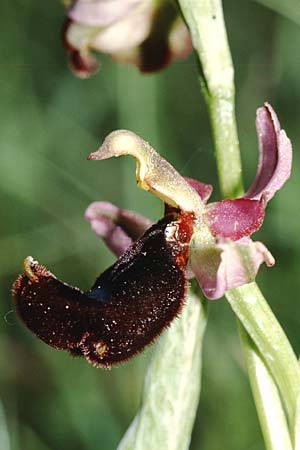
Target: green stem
[
  {"x": 266, "y": 397},
  {"x": 225, "y": 137},
  {"x": 172, "y": 385},
  {"x": 257, "y": 318}
]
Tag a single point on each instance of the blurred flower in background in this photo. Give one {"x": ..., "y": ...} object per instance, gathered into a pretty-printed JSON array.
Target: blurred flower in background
[{"x": 147, "y": 33}]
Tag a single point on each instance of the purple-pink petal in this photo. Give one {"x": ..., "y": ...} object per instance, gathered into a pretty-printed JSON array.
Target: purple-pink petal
[
  {"x": 145, "y": 33},
  {"x": 237, "y": 263},
  {"x": 204, "y": 190},
  {"x": 275, "y": 155},
  {"x": 100, "y": 13},
  {"x": 118, "y": 227},
  {"x": 235, "y": 218}
]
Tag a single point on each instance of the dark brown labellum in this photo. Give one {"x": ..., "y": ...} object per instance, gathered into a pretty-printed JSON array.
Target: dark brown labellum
[{"x": 129, "y": 305}]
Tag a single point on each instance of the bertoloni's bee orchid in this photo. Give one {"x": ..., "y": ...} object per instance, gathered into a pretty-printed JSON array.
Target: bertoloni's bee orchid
[
  {"x": 147, "y": 33},
  {"x": 134, "y": 300}
]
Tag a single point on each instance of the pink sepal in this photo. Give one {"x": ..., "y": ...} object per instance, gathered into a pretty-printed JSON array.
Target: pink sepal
[
  {"x": 118, "y": 227},
  {"x": 203, "y": 189},
  {"x": 275, "y": 155},
  {"x": 235, "y": 219}
]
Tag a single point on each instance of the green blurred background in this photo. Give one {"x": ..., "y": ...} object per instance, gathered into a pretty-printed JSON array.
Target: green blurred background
[{"x": 49, "y": 122}]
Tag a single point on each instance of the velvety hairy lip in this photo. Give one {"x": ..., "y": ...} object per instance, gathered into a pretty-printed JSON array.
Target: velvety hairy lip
[{"x": 129, "y": 305}]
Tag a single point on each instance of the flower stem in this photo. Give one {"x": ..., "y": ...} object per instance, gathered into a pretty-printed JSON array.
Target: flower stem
[
  {"x": 266, "y": 396},
  {"x": 257, "y": 318},
  {"x": 172, "y": 385}
]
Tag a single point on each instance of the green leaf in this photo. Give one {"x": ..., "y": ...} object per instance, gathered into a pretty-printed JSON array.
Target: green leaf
[{"x": 257, "y": 318}]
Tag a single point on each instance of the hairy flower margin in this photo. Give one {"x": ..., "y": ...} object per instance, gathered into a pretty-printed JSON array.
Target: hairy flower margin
[
  {"x": 134, "y": 300},
  {"x": 146, "y": 33}
]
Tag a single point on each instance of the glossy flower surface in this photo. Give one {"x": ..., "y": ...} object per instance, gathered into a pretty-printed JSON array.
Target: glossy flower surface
[
  {"x": 147, "y": 33},
  {"x": 134, "y": 300}
]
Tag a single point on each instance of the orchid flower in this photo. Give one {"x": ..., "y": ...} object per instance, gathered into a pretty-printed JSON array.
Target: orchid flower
[
  {"x": 222, "y": 255},
  {"x": 147, "y": 33},
  {"x": 134, "y": 300}
]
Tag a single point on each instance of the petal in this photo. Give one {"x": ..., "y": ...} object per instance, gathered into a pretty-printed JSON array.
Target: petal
[
  {"x": 83, "y": 64},
  {"x": 125, "y": 34},
  {"x": 235, "y": 218},
  {"x": 119, "y": 37},
  {"x": 180, "y": 41},
  {"x": 76, "y": 40},
  {"x": 275, "y": 155},
  {"x": 203, "y": 189},
  {"x": 155, "y": 52},
  {"x": 229, "y": 265},
  {"x": 129, "y": 305},
  {"x": 101, "y": 13},
  {"x": 168, "y": 38},
  {"x": 153, "y": 173},
  {"x": 116, "y": 226},
  {"x": 141, "y": 32}
]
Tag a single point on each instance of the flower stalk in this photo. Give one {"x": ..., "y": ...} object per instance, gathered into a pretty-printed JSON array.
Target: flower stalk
[
  {"x": 266, "y": 396},
  {"x": 257, "y": 318}
]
